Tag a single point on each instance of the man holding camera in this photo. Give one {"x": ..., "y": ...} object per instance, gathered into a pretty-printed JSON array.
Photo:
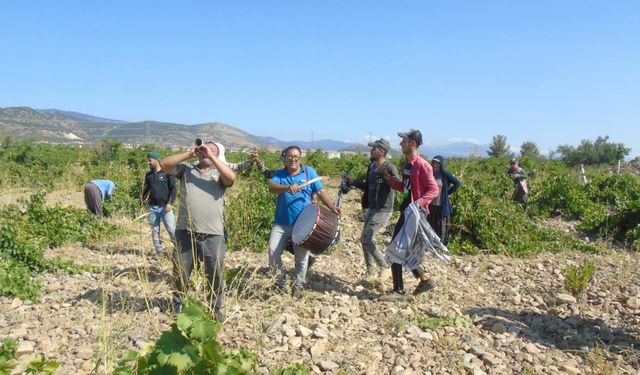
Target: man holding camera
[
  {"x": 200, "y": 225},
  {"x": 378, "y": 200}
]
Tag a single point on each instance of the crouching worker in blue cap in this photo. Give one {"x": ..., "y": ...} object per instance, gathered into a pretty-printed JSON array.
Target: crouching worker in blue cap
[{"x": 95, "y": 191}]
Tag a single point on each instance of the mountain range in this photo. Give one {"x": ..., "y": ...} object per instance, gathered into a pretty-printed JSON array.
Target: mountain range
[{"x": 57, "y": 126}]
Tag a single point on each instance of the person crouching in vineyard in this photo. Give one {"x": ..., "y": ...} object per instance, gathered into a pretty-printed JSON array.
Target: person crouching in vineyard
[
  {"x": 419, "y": 187},
  {"x": 378, "y": 199},
  {"x": 291, "y": 200},
  {"x": 519, "y": 177},
  {"x": 95, "y": 191},
  {"x": 159, "y": 193},
  {"x": 440, "y": 207},
  {"x": 200, "y": 225}
]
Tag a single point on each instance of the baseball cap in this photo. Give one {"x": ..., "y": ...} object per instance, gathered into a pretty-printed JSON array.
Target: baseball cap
[
  {"x": 413, "y": 135},
  {"x": 382, "y": 143},
  {"x": 154, "y": 155}
]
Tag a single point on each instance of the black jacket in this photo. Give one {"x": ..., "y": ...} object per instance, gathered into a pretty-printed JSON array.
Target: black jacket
[
  {"x": 159, "y": 188},
  {"x": 378, "y": 194}
]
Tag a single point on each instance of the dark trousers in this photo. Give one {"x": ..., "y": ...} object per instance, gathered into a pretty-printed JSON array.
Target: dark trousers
[
  {"x": 396, "y": 268},
  {"x": 93, "y": 198},
  {"x": 207, "y": 248},
  {"x": 439, "y": 224}
]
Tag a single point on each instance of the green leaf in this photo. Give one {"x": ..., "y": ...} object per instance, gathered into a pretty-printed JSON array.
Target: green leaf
[
  {"x": 204, "y": 330},
  {"x": 180, "y": 361}
]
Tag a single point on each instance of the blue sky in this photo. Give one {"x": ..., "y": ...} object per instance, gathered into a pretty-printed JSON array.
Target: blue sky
[{"x": 552, "y": 72}]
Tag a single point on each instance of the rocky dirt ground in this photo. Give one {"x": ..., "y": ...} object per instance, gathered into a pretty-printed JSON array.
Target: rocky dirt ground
[{"x": 509, "y": 315}]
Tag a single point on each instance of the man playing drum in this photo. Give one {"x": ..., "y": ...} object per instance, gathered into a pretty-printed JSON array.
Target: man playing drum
[
  {"x": 420, "y": 187},
  {"x": 378, "y": 200},
  {"x": 291, "y": 200}
]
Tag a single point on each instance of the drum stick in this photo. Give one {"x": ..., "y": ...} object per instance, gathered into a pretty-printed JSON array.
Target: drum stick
[
  {"x": 141, "y": 216},
  {"x": 310, "y": 182}
]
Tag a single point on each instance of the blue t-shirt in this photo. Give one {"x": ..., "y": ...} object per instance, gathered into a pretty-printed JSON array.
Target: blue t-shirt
[
  {"x": 106, "y": 187},
  {"x": 289, "y": 206}
]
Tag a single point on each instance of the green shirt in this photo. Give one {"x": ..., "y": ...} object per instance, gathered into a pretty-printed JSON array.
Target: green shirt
[{"x": 201, "y": 200}]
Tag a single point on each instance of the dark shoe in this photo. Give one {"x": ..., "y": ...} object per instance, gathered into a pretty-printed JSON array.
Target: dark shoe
[
  {"x": 219, "y": 316},
  {"x": 423, "y": 286},
  {"x": 177, "y": 308},
  {"x": 394, "y": 296},
  {"x": 296, "y": 292}
]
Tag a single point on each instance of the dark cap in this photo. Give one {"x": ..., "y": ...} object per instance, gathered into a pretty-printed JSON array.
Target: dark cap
[
  {"x": 413, "y": 135},
  {"x": 154, "y": 155},
  {"x": 381, "y": 143}
]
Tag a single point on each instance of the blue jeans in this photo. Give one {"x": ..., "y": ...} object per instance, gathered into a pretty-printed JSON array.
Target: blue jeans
[
  {"x": 374, "y": 220},
  {"x": 157, "y": 213},
  {"x": 280, "y": 235}
]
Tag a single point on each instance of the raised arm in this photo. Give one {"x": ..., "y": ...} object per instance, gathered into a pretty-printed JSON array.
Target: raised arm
[
  {"x": 170, "y": 163},
  {"x": 238, "y": 167},
  {"x": 226, "y": 174}
]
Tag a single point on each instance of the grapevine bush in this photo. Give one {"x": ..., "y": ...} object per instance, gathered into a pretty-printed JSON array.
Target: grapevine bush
[
  {"x": 27, "y": 232},
  {"x": 191, "y": 348}
]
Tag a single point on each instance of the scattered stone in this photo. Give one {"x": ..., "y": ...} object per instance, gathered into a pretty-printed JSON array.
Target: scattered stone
[
  {"x": 320, "y": 333},
  {"x": 304, "y": 331},
  {"x": 53, "y": 287},
  {"x": 17, "y": 302},
  {"x": 478, "y": 351},
  {"x": 25, "y": 347},
  {"x": 288, "y": 330},
  {"x": 563, "y": 298},
  {"x": 317, "y": 349},
  {"x": 295, "y": 342},
  {"x": 570, "y": 370},
  {"x": 498, "y": 328},
  {"x": 633, "y": 303},
  {"x": 328, "y": 365},
  {"x": 325, "y": 312},
  {"x": 531, "y": 348}
]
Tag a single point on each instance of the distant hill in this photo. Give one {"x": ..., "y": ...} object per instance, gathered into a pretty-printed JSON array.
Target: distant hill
[
  {"x": 53, "y": 125},
  {"x": 324, "y": 144},
  {"x": 77, "y": 116},
  {"x": 57, "y": 126}
]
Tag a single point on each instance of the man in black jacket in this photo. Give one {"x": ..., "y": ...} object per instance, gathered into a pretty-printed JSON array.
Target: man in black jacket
[
  {"x": 378, "y": 200},
  {"x": 159, "y": 192}
]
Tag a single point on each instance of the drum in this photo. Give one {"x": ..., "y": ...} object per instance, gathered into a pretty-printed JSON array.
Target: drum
[{"x": 316, "y": 228}]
